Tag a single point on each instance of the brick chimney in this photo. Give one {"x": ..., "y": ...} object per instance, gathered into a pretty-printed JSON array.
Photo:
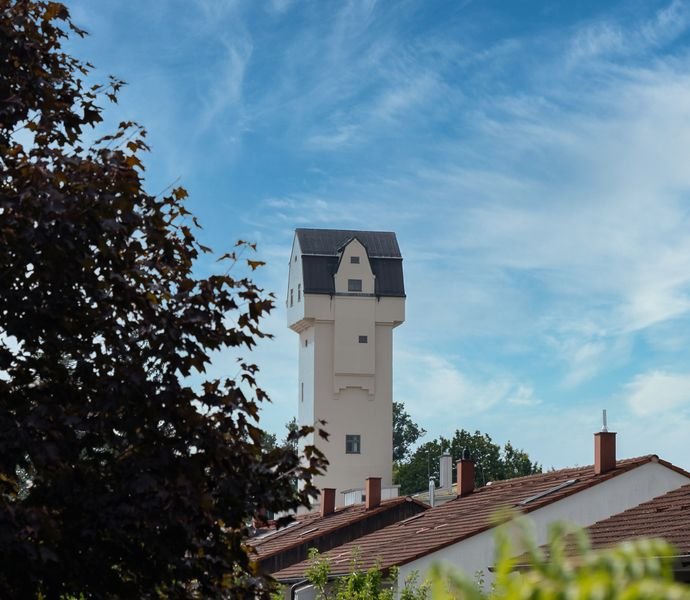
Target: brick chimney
[
  {"x": 373, "y": 492},
  {"x": 604, "y": 452},
  {"x": 465, "y": 474},
  {"x": 327, "y": 501},
  {"x": 259, "y": 520}
]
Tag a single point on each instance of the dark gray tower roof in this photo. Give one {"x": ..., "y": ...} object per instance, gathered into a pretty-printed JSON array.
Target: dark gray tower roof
[{"x": 320, "y": 255}]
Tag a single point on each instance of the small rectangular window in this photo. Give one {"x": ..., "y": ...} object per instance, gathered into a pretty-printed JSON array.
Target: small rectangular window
[
  {"x": 354, "y": 260},
  {"x": 306, "y": 343},
  {"x": 352, "y": 444},
  {"x": 354, "y": 285},
  {"x": 363, "y": 339}
]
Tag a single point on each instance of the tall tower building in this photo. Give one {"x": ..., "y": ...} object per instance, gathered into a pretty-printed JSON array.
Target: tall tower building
[{"x": 345, "y": 296}]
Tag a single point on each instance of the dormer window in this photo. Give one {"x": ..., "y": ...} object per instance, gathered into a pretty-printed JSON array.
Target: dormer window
[
  {"x": 354, "y": 260},
  {"x": 354, "y": 285}
]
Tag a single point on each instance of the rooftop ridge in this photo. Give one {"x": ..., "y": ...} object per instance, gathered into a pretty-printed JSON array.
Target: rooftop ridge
[
  {"x": 354, "y": 231},
  {"x": 329, "y": 242},
  {"x": 556, "y": 473}
]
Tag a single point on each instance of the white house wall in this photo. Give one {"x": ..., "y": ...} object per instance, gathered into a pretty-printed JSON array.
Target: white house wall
[{"x": 584, "y": 508}]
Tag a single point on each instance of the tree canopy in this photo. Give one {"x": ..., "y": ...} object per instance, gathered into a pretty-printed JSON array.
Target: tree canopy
[
  {"x": 118, "y": 478},
  {"x": 492, "y": 461},
  {"x": 405, "y": 432}
]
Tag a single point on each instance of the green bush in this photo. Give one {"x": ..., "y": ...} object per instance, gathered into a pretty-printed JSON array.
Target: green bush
[{"x": 360, "y": 584}]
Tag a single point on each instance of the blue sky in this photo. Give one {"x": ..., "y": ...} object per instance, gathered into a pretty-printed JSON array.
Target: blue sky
[{"x": 532, "y": 157}]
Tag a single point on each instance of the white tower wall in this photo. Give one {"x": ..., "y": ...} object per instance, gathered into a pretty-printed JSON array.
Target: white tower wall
[{"x": 345, "y": 367}]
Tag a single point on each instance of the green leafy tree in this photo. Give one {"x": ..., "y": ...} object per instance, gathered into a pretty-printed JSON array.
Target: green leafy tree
[
  {"x": 118, "y": 478},
  {"x": 492, "y": 462},
  {"x": 289, "y": 442},
  {"x": 569, "y": 568},
  {"x": 359, "y": 584},
  {"x": 405, "y": 432}
]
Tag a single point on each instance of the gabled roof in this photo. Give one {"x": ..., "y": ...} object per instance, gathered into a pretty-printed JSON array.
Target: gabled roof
[
  {"x": 313, "y": 525},
  {"x": 320, "y": 253},
  {"x": 280, "y": 549},
  {"x": 666, "y": 516},
  {"x": 462, "y": 518}
]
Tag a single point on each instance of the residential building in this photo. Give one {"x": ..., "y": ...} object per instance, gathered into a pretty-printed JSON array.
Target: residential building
[
  {"x": 666, "y": 516},
  {"x": 460, "y": 532},
  {"x": 331, "y": 527}
]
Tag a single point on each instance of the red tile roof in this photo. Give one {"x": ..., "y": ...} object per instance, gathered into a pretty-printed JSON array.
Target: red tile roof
[
  {"x": 462, "y": 518},
  {"x": 313, "y": 525},
  {"x": 666, "y": 516}
]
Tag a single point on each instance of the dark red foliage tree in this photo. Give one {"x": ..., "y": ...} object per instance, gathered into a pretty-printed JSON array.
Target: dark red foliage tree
[{"x": 118, "y": 479}]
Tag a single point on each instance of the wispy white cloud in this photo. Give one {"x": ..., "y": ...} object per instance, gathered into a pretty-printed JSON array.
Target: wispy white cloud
[
  {"x": 523, "y": 396},
  {"x": 216, "y": 12},
  {"x": 597, "y": 39},
  {"x": 658, "y": 392},
  {"x": 308, "y": 210},
  {"x": 279, "y": 7},
  {"x": 667, "y": 24},
  {"x": 607, "y": 38},
  {"x": 341, "y": 136},
  {"x": 438, "y": 388},
  {"x": 222, "y": 100}
]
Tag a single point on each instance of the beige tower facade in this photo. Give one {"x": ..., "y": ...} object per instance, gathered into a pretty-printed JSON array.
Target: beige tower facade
[{"x": 345, "y": 296}]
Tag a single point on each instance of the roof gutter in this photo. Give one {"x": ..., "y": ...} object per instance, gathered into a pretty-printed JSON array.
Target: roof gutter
[
  {"x": 304, "y": 583},
  {"x": 295, "y": 587}
]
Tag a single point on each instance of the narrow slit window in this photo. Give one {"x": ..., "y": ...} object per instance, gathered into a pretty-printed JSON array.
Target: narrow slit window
[
  {"x": 354, "y": 285},
  {"x": 299, "y": 292},
  {"x": 292, "y": 296}
]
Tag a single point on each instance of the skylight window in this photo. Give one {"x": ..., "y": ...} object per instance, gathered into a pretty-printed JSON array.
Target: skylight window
[
  {"x": 412, "y": 518},
  {"x": 547, "y": 492}
]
